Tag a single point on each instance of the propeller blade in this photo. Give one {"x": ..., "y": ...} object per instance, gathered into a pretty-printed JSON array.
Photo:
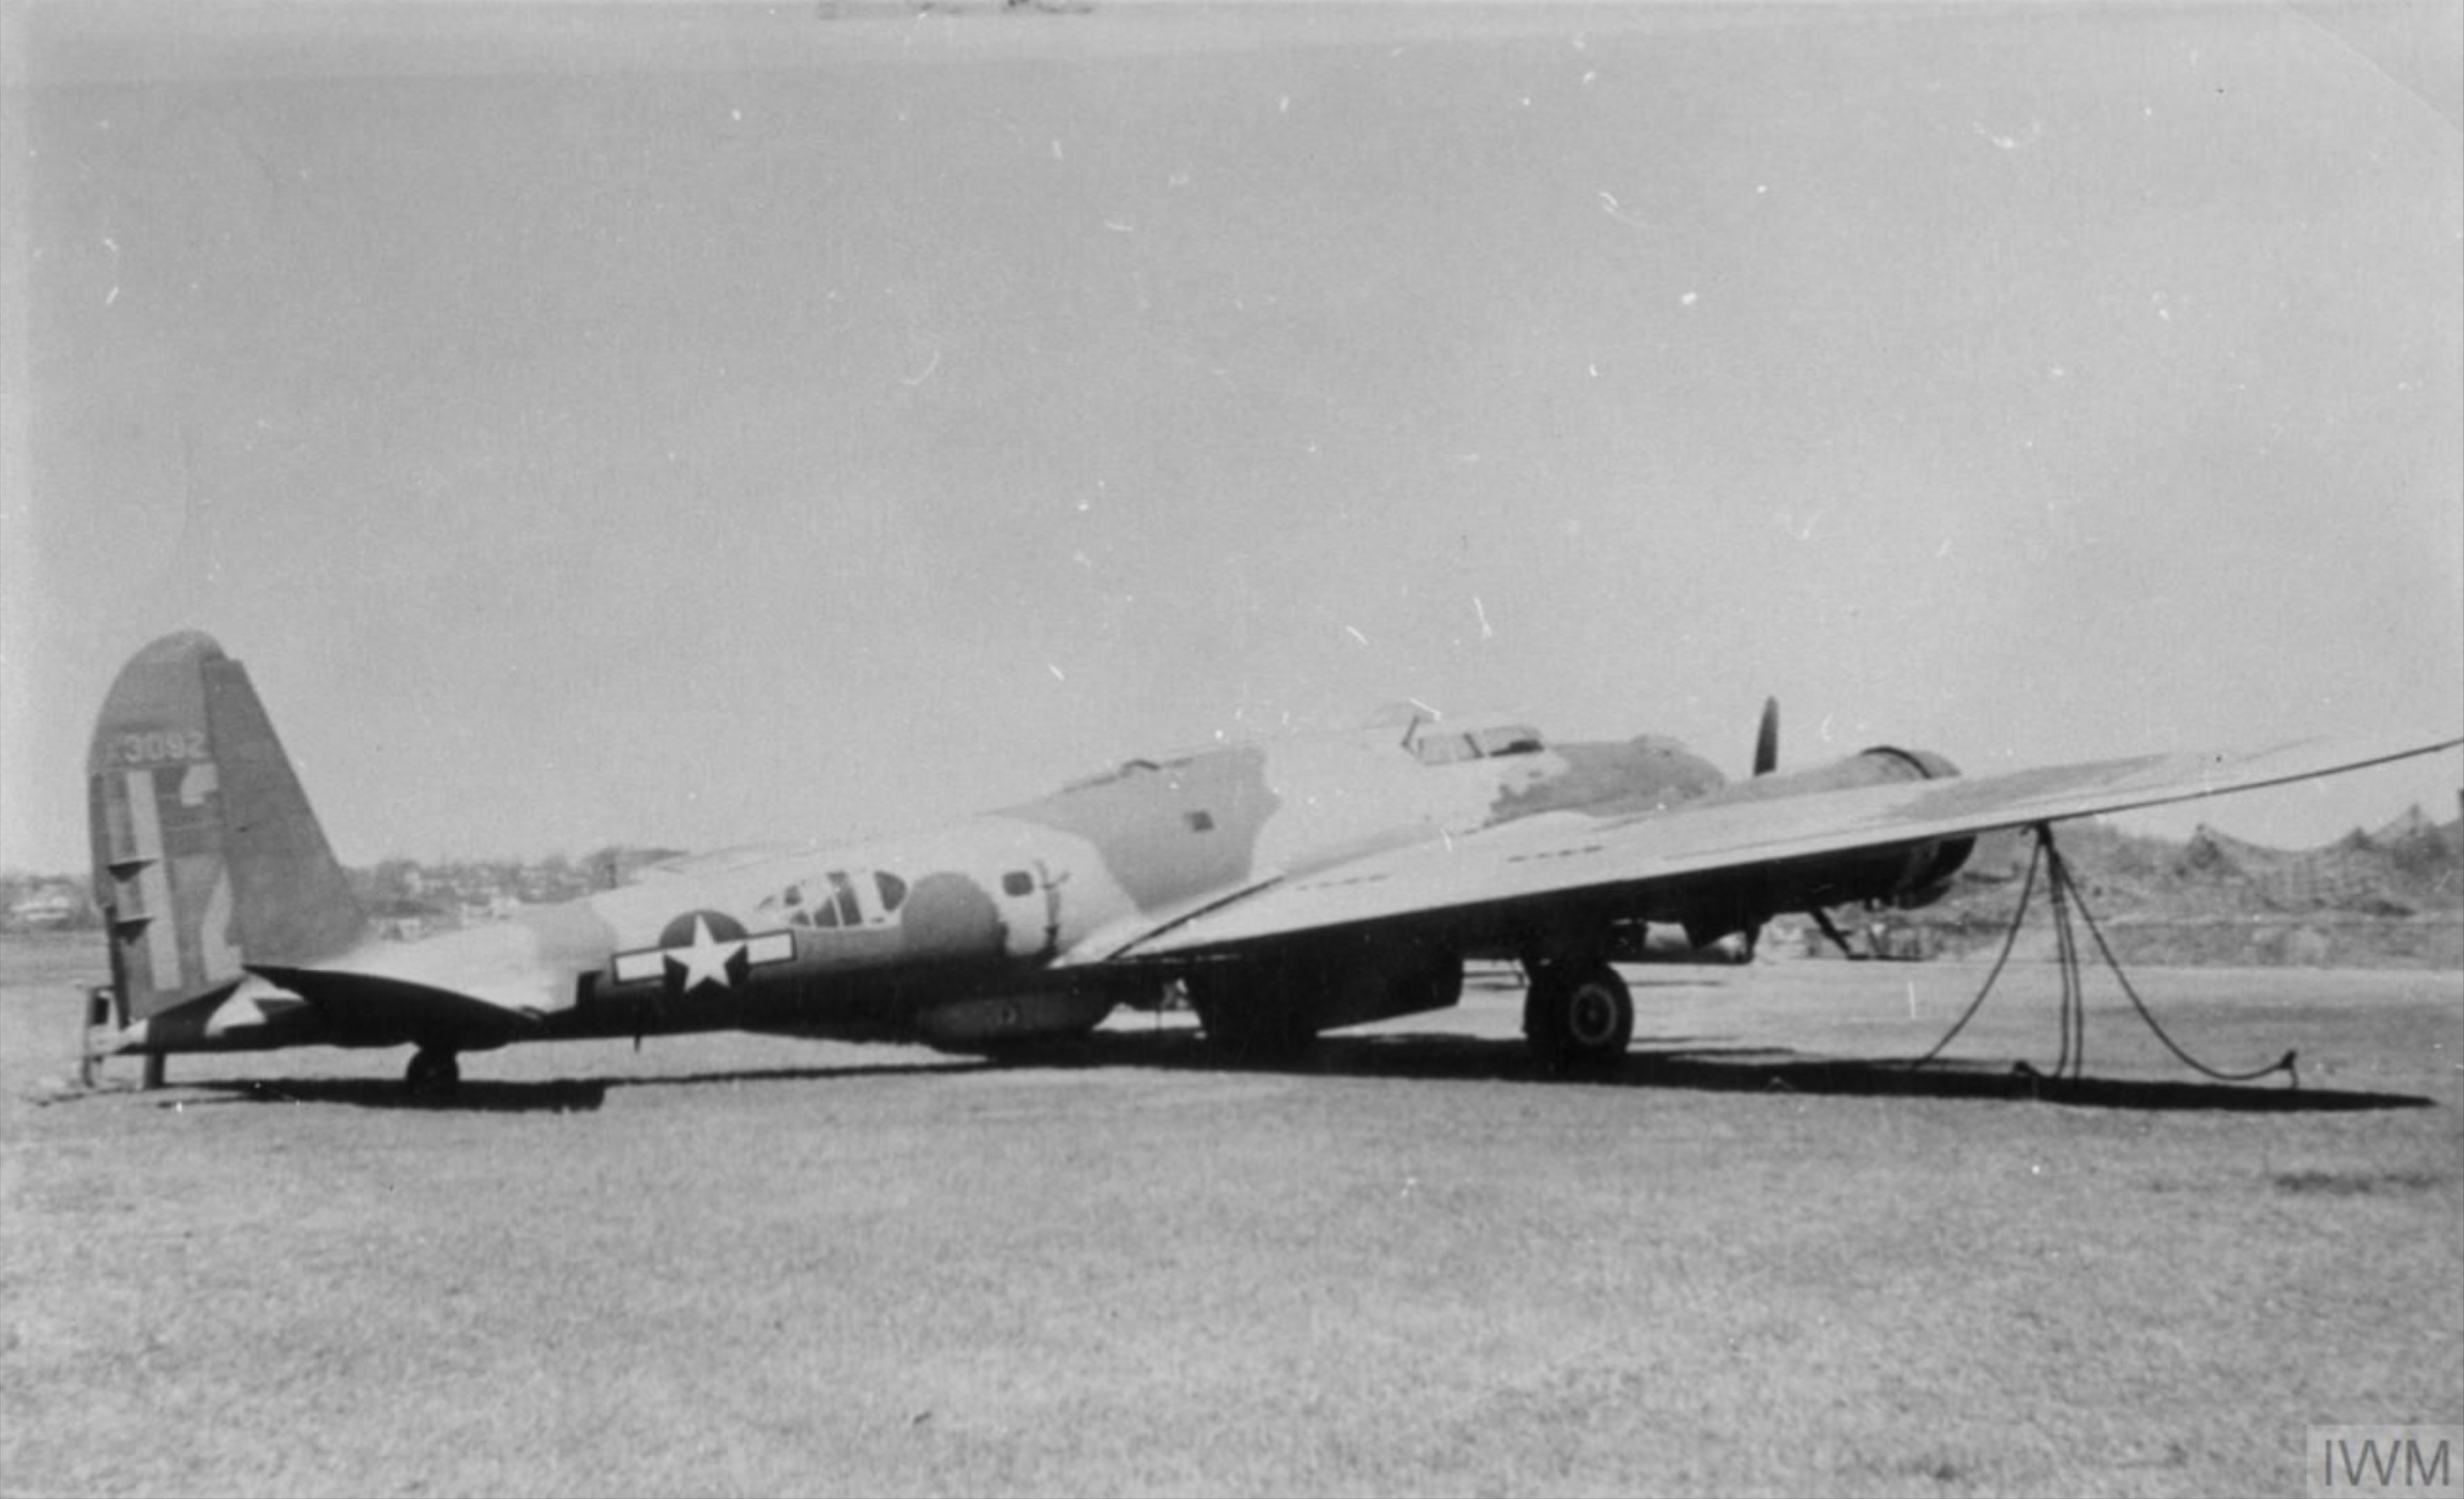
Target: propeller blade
[{"x": 1767, "y": 739}]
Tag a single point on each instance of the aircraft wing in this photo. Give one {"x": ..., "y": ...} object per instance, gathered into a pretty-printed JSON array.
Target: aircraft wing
[{"x": 1569, "y": 853}]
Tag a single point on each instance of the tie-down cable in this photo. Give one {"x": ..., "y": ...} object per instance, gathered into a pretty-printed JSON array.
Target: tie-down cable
[{"x": 2063, "y": 888}]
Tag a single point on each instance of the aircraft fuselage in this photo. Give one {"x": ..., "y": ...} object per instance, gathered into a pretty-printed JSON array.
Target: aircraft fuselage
[{"x": 966, "y": 934}]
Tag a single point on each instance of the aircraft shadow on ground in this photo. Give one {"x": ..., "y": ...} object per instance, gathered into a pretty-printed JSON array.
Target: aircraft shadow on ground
[
  {"x": 1696, "y": 1065},
  {"x": 1679, "y": 1064},
  {"x": 543, "y": 1095},
  {"x": 475, "y": 1095}
]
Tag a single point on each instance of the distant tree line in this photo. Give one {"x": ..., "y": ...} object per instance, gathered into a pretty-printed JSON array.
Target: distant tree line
[{"x": 401, "y": 891}]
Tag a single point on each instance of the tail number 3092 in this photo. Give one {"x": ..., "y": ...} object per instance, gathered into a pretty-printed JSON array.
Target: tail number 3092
[{"x": 149, "y": 749}]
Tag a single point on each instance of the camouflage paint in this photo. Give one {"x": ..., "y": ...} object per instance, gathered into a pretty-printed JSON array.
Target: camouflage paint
[
  {"x": 1169, "y": 830},
  {"x": 204, "y": 846},
  {"x": 1614, "y": 779}
]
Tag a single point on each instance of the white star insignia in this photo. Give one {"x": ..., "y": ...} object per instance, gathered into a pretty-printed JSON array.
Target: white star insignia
[{"x": 706, "y": 961}]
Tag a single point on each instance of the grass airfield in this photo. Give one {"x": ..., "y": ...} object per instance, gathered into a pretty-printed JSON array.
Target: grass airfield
[{"x": 1760, "y": 1259}]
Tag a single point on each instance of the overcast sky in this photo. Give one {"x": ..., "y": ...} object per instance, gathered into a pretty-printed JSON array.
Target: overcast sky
[{"x": 698, "y": 426}]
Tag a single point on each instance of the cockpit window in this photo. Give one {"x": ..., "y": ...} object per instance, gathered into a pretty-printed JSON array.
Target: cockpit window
[
  {"x": 893, "y": 889},
  {"x": 1443, "y": 749},
  {"x": 1104, "y": 778},
  {"x": 1433, "y": 745},
  {"x": 1507, "y": 739},
  {"x": 850, "y": 913}
]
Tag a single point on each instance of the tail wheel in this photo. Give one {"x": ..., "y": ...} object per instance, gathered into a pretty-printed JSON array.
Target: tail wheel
[
  {"x": 1580, "y": 1021},
  {"x": 432, "y": 1072}
]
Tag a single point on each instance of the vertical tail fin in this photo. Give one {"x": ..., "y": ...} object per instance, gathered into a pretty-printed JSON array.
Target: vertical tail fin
[{"x": 206, "y": 854}]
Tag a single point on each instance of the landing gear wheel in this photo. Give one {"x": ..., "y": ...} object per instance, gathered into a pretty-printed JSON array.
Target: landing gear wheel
[
  {"x": 1578, "y": 1021},
  {"x": 432, "y": 1072}
]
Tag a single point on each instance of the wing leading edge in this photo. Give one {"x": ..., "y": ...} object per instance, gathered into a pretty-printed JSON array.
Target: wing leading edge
[{"x": 1567, "y": 854}]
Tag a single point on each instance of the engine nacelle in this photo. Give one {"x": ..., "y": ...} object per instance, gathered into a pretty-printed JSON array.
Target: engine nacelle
[
  {"x": 1907, "y": 876},
  {"x": 1881, "y": 765},
  {"x": 1903, "y": 875}
]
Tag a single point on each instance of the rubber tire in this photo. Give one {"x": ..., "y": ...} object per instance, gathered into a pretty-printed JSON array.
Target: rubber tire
[{"x": 1580, "y": 1022}]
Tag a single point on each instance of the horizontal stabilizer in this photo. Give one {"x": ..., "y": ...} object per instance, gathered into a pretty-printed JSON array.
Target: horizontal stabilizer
[{"x": 374, "y": 1009}]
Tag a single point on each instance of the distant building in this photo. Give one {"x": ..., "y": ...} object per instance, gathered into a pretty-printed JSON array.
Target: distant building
[{"x": 53, "y": 906}]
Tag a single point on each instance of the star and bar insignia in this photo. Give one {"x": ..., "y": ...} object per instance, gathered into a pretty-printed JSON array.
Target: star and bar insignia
[{"x": 703, "y": 948}]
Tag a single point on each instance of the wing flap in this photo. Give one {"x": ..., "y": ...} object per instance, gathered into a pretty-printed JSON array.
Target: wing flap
[{"x": 1567, "y": 852}]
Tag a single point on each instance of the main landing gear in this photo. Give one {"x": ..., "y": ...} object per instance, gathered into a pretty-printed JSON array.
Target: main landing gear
[
  {"x": 1577, "y": 1012},
  {"x": 434, "y": 1072},
  {"x": 1577, "y": 1016}
]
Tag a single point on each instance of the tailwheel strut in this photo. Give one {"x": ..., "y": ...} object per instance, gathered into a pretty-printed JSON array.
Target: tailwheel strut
[
  {"x": 432, "y": 1070},
  {"x": 1578, "y": 1017}
]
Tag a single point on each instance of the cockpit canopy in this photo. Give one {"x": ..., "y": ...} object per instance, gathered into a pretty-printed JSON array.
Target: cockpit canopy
[
  {"x": 1123, "y": 772},
  {"x": 1435, "y": 744},
  {"x": 1431, "y": 742}
]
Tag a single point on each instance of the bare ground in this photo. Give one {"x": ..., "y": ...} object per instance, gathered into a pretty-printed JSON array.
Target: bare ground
[{"x": 1760, "y": 1259}]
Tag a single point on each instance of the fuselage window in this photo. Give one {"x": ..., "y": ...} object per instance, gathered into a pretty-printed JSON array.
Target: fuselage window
[
  {"x": 850, "y": 913},
  {"x": 1018, "y": 882},
  {"x": 893, "y": 889}
]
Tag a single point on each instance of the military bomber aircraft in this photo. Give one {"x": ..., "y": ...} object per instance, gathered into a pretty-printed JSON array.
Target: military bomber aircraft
[{"x": 1291, "y": 887}]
